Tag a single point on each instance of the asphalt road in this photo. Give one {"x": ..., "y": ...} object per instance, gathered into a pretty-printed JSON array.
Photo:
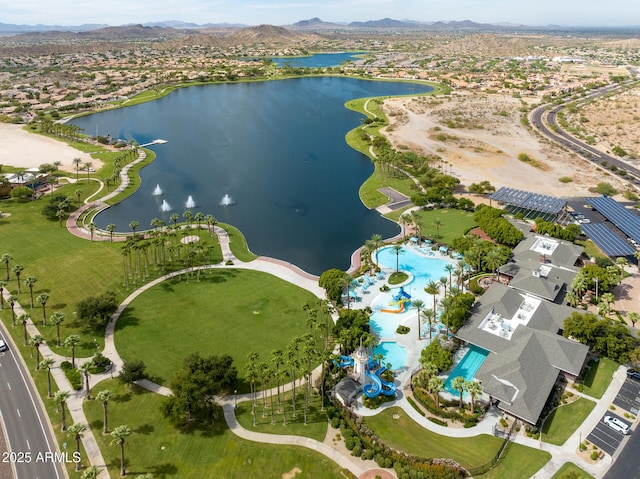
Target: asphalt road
[
  {"x": 30, "y": 442},
  {"x": 583, "y": 149}
]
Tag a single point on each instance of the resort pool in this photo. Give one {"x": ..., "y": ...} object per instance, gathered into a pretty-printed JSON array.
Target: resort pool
[
  {"x": 467, "y": 367},
  {"x": 393, "y": 353}
]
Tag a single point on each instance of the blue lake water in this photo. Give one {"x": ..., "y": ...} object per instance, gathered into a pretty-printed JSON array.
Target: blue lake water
[
  {"x": 277, "y": 148},
  {"x": 318, "y": 60}
]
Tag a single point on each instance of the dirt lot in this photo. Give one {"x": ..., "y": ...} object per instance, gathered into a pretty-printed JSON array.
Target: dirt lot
[{"x": 480, "y": 136}]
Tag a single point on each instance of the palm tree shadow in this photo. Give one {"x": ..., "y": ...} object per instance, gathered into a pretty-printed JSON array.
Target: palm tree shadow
[
  {"x": 164, "y": 470},
  {"x": 145, "y": 429}
]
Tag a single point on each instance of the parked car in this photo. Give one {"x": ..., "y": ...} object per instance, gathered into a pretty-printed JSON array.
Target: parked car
[
  {"x": 616, "y": 424},
  {"x": 633, "y": 374},
  {"x": 3, "y": 346}
]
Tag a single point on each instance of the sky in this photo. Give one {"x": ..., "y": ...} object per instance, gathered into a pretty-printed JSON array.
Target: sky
[{"x": 285, "y": 12}]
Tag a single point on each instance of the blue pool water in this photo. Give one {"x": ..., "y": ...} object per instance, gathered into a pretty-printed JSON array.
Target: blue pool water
[
  {"x": 393, "y": 353},
  {"x": 467, "y": 367},
  {"x": 424, "y": 269}
]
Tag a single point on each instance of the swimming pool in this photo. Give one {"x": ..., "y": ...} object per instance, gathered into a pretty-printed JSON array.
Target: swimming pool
[
  {"x": 467, "y": 367},
  {"x": 393, "y": 353}
]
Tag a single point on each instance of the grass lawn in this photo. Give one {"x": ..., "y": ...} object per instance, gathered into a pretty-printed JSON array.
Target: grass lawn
[
  {"x": 370, "y": 195},
  {"x": 230, "y": 312},
  {"x": 157, "y": 447},
  {"x": 597, "y": 379},
  {"x": 453, "y": 223},
  {"x": 565, "y": 420},
  {"x": 518, "y": 462},
  {"x": 571, "y": 467},
  {"x": 316, "y": 427}
]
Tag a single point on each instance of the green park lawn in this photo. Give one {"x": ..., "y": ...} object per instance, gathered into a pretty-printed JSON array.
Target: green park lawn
[
  {"x": 598, "y": 377},
  {"x": 230, "y": 311},
  {"x": 157, "y": 447},
  {"x": 569, "y": 467},
  {"x": 406, "y": 435},
  {"x": 453, "y": 223},
  {"x": 565, "y": 420}
]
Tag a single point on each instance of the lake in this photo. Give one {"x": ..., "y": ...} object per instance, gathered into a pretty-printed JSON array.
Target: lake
[
  {"x": 276, "y": 148},
  {"x": 318, "y": 60}
]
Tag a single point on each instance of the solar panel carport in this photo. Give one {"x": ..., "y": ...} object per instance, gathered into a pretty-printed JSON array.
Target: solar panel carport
[
  {"x": 610, "y": 243},
  {"x": 532, "y": 205},
  {"x": 625, "y": 220}
]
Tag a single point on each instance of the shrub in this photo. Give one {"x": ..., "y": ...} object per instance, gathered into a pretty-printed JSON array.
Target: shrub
[
  {"x": 73, "y": 375},
  {"x": 565, "y": 179},
  {"x": 403, "y": 329},
  {"x": 439, "y": 422},
  {"x": 594, "y": 455}
]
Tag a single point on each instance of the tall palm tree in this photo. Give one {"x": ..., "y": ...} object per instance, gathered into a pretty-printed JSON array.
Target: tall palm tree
[
  {"x": 87, "y": 166},
  {"x": 60, "y": 397},
  {"x": 76, "y": 162},
  {"x": 474, "y": 389},
  {"x": 72, "y": 341},
  {"x": 252, "y": 376},
  {"x": 23, "y": 319},
  {"x": 458, "y": 384},
  {"x": 42, "y": 299},
  {"x": 436, "y": 386},
  {"x": 12, "y": 299},
  {"x": 199, "y": 217},
  {"x": 398, "y": 249},
  {"x": 36, "y": 341},
  {"x": 493, "y": 260},
  {"x": 376, "y": 242},
  {"x": 92, "y": 229},
  {"x": 134, "y": 226},
  {"x": 446, "y": 304},
  {"x": 437, "y": 223},
  {"x": 276, "y": 361},
  {"x": 6, "y": 259},
  {"x": 104, "y": 396},
  {"x": 429, "y": 369},
  {"x": 30, "y": 282},
  {"x": 77, "y": 429},
  {"x": 572, "y": 299},
  {"x": 211, "y": 222},
  {"x": 415, "y": 218},
  {"x": 443, "y": 283},
  {"x": 110, "y": 229},
  {"x": 622, "y": 262},
  {"x": 3, "y": 284},
  {"x": 47, "y": 363},
  {"x": 174, "y": 218},
  {"x": 84, "y": 368},
  {"x": 633, "y": 317},
  {"x": 433, "y": 289},
  {"x": 17, "y": 271},
  {"x": 418, "y": 304},
  {"x": 119, "y": 434},
  {"x": 450, "y": 269},
  {"x": 430, "y": 315},
  {"x": 57, "y": 318}
]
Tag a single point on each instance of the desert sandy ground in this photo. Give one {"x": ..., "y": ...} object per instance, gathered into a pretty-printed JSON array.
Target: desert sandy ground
[
  {"x": 480, "y": 136},
  {"x": 22, "y": 149}
]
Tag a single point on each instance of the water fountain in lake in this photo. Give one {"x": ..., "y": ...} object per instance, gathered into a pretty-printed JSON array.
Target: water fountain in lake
[
  {"x": 226, "y": 201},
  {"x": 190, "y": 203},
  {"x": 157, "y": 191},
  {"x": 165, "y": 206}
]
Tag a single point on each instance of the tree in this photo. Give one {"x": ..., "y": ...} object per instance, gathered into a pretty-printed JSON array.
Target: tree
[
  {"x": 474, "y": 389},
  {"x": 418, "y": 304},
  {"x": 110, "y": 229},
  {"x": 119, "y": 435},
  {"x": 76, "y": 162},
  {"x": 428, "y": 370},
  {"x": 57, "y": 318},
  {"x": 398, "y": 249},
  {"x": 92, "y": 229},
  {"x": 3, "y": 284},
  {"x": 436, "y": 354},
  {"x": 195, "y": 386},
  {"x": 23, "y": 319},
  {"x": 437, "y": 223},
  {"x": 12, "y": 300},
  {"x": 436, "y": 386},
  {"x": 84, "y": 368},
  {"x": 90, "y": 473},
  {"x": 42, "y": 299},
  {"x": 332, "y": 282},
  {"x": 433, "y": 289},
  {"x": 77, "y": 429},
  {"x": 30, "y": 282},
  {"x": 430, "y": 315},
  {"x": 36, "y": 341},
  {"x": 97, "y": 310},
  {"x": 17, "y": 271},
  {"x": 276, "y": 361},
  {"x": 134, "y": 226},
  {"x": 6, "y": 259},
  {"x": 458, "y": 383},
  {"x": 47, "y": 363},
  {"x": 60, "y": 397},
  {"x": 132, "y": 371},
  {"x": 633, "y": 317},
  {"x": 104, "y": 396},
  {"x": 252, "y": 376},
  {"x": 72, "y": 341},
  {"x": 88, "y": 166}
]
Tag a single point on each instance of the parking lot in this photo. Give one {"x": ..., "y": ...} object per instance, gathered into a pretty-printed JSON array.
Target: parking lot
[
  {"x": 605, "y": 437},
  {"x": 629, "y": 397}
]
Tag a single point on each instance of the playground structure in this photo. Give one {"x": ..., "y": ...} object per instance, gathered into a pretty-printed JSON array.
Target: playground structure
[
  {"x": 374, "y": 384},
  {"x": 400, "y": 300}
]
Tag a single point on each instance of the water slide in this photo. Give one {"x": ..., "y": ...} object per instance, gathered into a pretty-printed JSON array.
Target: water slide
[
  {"x": 388, "y": 388},
  {"x": 378, "y": 386},
  {"x": 345, "y": 362},
  {"x": 404, "y": 293},
  {"x": 394, "y": 311}
]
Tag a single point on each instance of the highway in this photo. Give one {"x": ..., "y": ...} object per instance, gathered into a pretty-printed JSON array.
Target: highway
[
  {"x": 31, "y": 445},
  {"x": 558, "y": 135}
]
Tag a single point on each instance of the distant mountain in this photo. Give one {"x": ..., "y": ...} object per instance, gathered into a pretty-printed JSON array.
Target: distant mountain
[
  {"x": 384, "y": 23},
  {"x": 186, "y": 25},
  {"x": 127, "y": 32},
  {"x": 11, "y": 28},
  {"x": 315, "y": 24}
]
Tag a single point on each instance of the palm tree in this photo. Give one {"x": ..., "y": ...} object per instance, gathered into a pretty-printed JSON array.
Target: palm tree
[
  {"x": 3, "y": 284},
  {"x": 572, "y": 299},
  {"x": 104, "y": 396},
  {"x": 376, "y": 242},
  {"x": 60, "y": 397},
  {"x": 433, "y": 289},
  {"x": 87, "y": 166},
  {"x": 633, "y": 317},
  {"x": 450, "y": 269},
  {"x": 458, "y": 384},
  {"x": 77, "y": 429},
  {"x": 36, "y": 341},
  {"x": 276, "y": 361},
  {"x": 78, "y": 194},
  {"x": 84, "y": 368},
  {"x": 493, "y": 261},
  {"x": 111, "y": 228},
  {"x": 134, "y": 225},
  {"x": 579, "y": 284},
  {"x": 23, "y": 319},
  {"x": 474, "y": 389},
  {"x": 6, "y": 259},
  {"x": 42, "y": 299},
  {"x": 437, "y": 224},
  {"x": 90, "y": 473},
  {"x": 252, "y": 376},
  {"x": 418, "y": 304},
  {"x": 622, "y": 262},
  {"x": 76, "y": 162},
  {"x": 446, "y": 304},
  {"x": 119, "y": 434},
  {"x": 92, "y": 229},
  {"x": 57, "y": 318},
  {"x": 211, "y": 222},
  {"x": 398, "y": 249},
  {"x": 72, "y": 341},
  {"x": 174, "y": 218},
  {"x": 12, "y": 300},
  {"x": 415, "y": 218},
  {"x": 17, "y": 270},
  {"x": 199, "y": 217},
  {"x": 46, "y": 363},
  {"x": 443, "y": 283},
  {"x": 30, "y": 282},
  {"x": 436, "y": 386},
  {"x": 430, "y": 315},
  {"x": 429, "y": 369}
]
